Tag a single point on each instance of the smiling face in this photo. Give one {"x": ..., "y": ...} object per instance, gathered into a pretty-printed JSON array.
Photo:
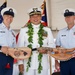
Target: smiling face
[{"x": 35, "y": 19}]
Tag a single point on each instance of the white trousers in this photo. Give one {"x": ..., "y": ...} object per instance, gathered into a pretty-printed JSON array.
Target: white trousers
[
  {"x": 15, "y": 69},
  {"x": 35, "y": 72}
]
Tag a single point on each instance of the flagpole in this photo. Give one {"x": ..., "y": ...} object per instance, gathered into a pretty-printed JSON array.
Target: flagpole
[{"x": 50, "y": 60}]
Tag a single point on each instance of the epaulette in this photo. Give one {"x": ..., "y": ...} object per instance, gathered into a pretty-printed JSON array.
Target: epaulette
[
  {"x": 47, "y": 26},
  {"x": 24, "y": 26}
]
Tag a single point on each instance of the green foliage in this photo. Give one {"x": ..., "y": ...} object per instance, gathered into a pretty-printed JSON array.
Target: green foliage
[
  {"x": 20, "y": 73},
  {"x": 40, "y": 41},
  {"x": 40, "y": 60}
]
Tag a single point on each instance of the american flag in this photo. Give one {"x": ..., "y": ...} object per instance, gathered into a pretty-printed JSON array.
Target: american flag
[
  {"x": 1, "y": 7},
  {"x": 44, "y": 14}
]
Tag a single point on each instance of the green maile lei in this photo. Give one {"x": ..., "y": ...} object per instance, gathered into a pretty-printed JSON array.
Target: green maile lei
[{"x": 40, "y": 41}]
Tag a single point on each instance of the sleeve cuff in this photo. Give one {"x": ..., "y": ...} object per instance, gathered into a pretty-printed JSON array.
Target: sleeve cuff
[{"x": 20, "y": 62}]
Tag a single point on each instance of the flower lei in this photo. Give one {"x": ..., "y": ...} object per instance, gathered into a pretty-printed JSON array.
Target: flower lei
[{"x": 40, "y": 41}]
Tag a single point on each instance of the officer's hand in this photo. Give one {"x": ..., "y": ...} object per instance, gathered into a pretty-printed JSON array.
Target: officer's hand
[
  {"x": 57, "y": 65},
  {"x": 43, "y": 51},
  {"x": 73, "y": 55},
  {"x": 21, "y": 68},
  {"x": 4, "y": 49}
]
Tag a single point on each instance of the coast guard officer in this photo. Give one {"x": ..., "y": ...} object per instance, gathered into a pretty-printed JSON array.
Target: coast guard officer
[
  {"x": 35, "y": 35},
  {"x": 7, "y": 39},
  {"x": 66, "y": 39}
]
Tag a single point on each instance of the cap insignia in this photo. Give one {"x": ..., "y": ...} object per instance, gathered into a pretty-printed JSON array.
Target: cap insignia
[
  {"x": 11, "y": 10},
  {"x": 35, "y": 9}
]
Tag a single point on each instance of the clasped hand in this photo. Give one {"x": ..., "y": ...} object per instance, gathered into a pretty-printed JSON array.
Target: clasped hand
[
  {"x": 43, "y": 51},
  {"x": 4, "y": 49}
]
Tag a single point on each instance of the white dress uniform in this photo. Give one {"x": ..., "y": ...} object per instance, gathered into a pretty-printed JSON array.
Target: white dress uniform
[
  {"x": 47, "y": 42},
  {"x": 15, "y": 69}
]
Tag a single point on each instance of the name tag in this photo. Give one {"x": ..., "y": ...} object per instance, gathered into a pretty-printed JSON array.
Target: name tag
[
  {"x": 74, "y": 33},
  {"x": 63, "y": 35},
  {"x": 2, "y": 31}
]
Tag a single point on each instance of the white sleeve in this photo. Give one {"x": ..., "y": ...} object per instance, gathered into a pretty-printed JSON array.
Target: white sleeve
[
  {"x": 58, "y": 43},
  {"x": 20, "y": 62},
  {"x": 51, "y": 42},
  {"x": 20, "y": 42}
]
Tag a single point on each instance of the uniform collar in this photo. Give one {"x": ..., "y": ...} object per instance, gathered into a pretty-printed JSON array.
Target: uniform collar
[
  {"x": 71, "y": 28},
  {"x": 36, "y": 26},
  {"x": 3, "y": 25}
]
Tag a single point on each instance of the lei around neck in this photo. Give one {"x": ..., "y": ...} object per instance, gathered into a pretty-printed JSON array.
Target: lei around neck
[{"x": 40, "y": 41}]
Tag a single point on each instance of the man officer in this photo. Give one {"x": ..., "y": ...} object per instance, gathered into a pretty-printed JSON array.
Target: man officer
[
  {"x": 7, "y": 40},
  {"x": 35, "y": 35},
  {"x": 66, "y": 39}
]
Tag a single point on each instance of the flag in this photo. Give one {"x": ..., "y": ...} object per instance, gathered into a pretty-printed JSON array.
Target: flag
[
  {"x": 1, "y": 7},
  {"x": 44, "y": 14}
]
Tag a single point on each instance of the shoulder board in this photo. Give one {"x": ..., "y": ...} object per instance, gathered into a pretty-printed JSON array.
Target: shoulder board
[{"x": 26, "y": 25}]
